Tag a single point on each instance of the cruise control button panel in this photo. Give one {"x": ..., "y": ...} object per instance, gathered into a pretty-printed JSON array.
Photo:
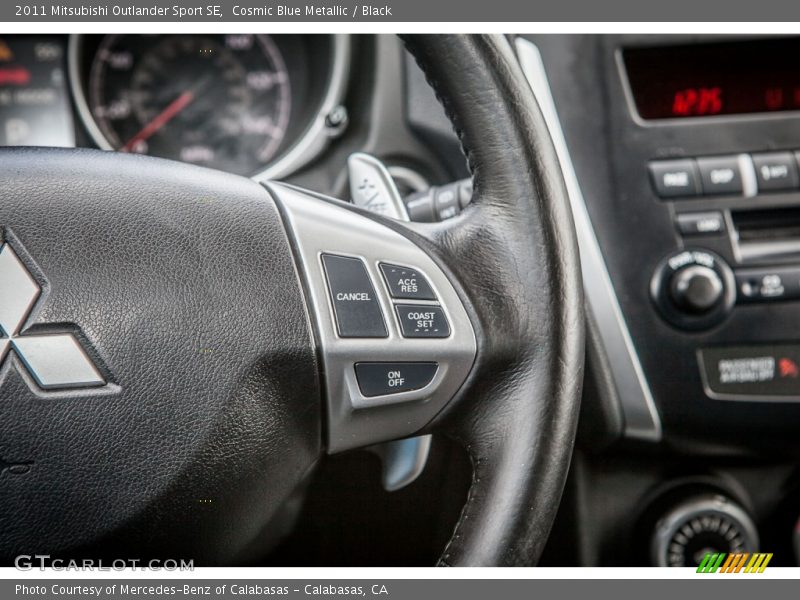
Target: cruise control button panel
[
  {"x": 394, "y": 339},
  {"x": 358, "y": 312},
  {"x": 406, "y": 283},
  {"x": 382, "y": 378},
  {"x": 422, "y": 321}
]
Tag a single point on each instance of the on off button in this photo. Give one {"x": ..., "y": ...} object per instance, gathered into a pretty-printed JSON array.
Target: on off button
[{"x": 382, "y": 378}]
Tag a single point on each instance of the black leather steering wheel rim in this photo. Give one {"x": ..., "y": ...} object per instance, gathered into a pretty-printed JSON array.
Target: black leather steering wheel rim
[{"x": 518, "y": 413}]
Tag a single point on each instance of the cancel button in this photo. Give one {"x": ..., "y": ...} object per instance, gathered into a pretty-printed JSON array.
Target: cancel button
[
  {"x": 382, "y": 378},
  {"x": 355, "y": 305}
]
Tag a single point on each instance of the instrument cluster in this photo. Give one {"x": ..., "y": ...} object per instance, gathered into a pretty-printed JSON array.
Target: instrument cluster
[{"x": 253, "y": 104}]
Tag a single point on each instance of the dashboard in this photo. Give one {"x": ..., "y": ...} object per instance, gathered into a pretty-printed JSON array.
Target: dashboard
[
  {"x": 252, "y": 104},
  {"x": 686, "y": 155},
  {"x": 705, "y": 274}
]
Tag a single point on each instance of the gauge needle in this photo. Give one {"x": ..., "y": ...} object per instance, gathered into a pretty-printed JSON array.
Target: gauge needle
[{"x": 161, "y": 119}]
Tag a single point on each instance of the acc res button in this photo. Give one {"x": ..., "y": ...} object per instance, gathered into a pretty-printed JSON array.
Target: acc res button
[
  {"x": 382, "y": 378},
  {"x": 407, "y": 283}
]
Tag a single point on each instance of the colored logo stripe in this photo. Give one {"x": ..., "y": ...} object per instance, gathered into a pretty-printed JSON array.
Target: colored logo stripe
[
  {"x": 711, "y": 563},
  {"x": 734, "y": 563},
  {"x": 758, "y": 563}
]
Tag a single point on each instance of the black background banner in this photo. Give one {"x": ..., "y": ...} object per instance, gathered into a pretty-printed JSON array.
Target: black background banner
[
  {"x": 442, "y": 11},
  {"x": 700, "y": 587}
]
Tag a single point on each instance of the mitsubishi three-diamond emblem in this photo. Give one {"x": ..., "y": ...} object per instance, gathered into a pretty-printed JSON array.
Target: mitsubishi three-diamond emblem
[{"x": 54, "y": 360}]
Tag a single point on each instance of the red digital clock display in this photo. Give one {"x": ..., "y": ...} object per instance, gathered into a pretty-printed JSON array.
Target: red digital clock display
[{"x": 726, "y": 78}]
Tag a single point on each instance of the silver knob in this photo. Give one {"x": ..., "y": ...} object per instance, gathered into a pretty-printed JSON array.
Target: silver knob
[{"x": 701, "y": 525}]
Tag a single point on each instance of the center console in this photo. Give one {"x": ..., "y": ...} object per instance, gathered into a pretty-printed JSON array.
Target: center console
[
  {"x": 706, "y": 165},
  {"x": 681, "y": 155},
  {"x": 687, "y": 153}
]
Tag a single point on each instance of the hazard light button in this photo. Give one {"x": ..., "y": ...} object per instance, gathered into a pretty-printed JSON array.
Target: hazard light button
[{"x": 751, "y": 372}]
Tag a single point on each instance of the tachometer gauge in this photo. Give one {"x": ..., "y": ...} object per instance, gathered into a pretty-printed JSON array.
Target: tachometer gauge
[{"x": 221, "y": 101}]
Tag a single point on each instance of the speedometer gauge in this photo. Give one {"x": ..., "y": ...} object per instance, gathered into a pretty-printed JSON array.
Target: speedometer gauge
[{"x": 222, "y": 101}]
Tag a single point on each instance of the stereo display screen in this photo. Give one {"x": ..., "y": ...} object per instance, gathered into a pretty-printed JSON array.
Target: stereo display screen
[{"x": 708, "y": 79}]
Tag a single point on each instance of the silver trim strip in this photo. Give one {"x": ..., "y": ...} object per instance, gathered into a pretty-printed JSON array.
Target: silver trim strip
[
  {"x": 312, "y": 142},
  {"x": 75, "y": 86},
  {"x": 641, "y": 416},
  {"x": 749, "y": 178},
  {"x": 316, "y": 137},
  {"x": 409, "y": 177}
]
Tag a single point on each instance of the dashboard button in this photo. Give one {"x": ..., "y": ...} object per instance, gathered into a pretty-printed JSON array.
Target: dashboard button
[
  {"x": 700, "y": 223},
  {"x": 720, "y": 175},
  {"x": 355, "y": 305},
  {"x": 382, "y": 378},
  {"x": 406, "y": 283},
  {"x": 745, "y": 371},
  {"x": 422, "y": 321},
  {"x": 768, "y": 285},
  {"x": 675, "y": 178},
  {"x": 693, "y": 289},
  {"x": 775, "y": 171}
]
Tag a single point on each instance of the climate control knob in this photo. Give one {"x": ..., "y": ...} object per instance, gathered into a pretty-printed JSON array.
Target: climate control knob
[
  {"x": 693, "y": 289},
  {"x": 696, "y": 289}
]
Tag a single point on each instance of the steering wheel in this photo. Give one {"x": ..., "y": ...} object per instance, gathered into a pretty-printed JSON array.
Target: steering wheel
[{"x": 180, "y": 346}]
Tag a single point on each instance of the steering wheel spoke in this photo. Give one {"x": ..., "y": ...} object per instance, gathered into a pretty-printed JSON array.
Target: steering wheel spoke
[{"x": 394, "y": 337}]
